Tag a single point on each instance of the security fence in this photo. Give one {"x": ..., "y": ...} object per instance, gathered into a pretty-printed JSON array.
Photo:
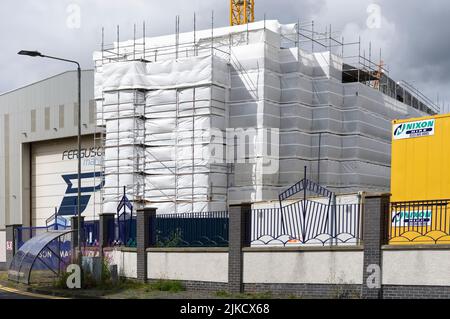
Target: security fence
[
  {"x": 192, "y": 230},
  {"x": 91, "y": 233},
  {"x": 126, "y": 231},
  {"x": 121, "y": 232},
  {"x": 307, "y": 223},
  {"x": 23, "y": 234},
  {"x": 302, "y": 223},
  {"x": 419, "y": 222}
]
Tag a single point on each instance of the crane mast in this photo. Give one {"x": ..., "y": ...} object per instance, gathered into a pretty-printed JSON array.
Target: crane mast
[{"x": 242, "y": 12}]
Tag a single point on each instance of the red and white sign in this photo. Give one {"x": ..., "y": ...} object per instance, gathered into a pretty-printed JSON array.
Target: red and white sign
[{"x": 9, "y": 245}]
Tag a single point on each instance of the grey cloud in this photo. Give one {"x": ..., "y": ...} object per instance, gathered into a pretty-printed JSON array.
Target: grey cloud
[{"x": 415, "y": 38}]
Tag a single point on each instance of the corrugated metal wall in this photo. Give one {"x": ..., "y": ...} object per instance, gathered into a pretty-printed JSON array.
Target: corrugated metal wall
[{"x": 39, "y": 112}]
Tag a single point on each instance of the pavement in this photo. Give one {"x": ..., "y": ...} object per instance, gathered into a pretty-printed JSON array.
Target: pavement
[{"x": 11, "y": 293}]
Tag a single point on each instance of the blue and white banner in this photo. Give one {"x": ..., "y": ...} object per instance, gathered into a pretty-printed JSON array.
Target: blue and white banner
[
  {"x": 417, "y": 218},
  {"x": 414, "y": 129}
]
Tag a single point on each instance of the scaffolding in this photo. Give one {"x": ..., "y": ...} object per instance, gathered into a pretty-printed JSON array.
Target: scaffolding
[
  {"x": 347, "y": 62},
  {"x": 111, "y": 114},
  {"x": 359, "y": 64}
]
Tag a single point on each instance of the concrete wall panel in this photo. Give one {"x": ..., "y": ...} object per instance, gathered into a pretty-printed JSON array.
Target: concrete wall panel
[
  {"x": 416, "y": 267},
  {"x": 188, "y": 266},
  {"x": 126, "y": 262},
  {"x": 303, "y": 267}
]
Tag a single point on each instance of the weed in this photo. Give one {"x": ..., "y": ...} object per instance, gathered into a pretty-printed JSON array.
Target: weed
[
  {"x": 223, "y": 294},
  {"x": 167, "y": 285}
]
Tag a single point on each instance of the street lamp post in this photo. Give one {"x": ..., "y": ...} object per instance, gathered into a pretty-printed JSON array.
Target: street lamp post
[{"x": 40, "y": 55}]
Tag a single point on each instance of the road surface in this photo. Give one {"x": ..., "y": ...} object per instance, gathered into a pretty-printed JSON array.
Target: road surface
[{"x": 11, "y": 293}]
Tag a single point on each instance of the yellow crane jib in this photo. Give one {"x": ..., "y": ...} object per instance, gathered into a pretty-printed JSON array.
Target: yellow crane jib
[{"x": 242, "y": 12}]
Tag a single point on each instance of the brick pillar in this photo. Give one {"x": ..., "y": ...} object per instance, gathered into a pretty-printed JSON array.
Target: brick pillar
[
  {"x": 145, "y": 238},
  {"x": 11, "y": 243},
  {"x": 239, "y": 237},
  {"x": 74, "y": 234},
  {"x": 376, "y": 217},
  {"x": 104, "y": 231}
]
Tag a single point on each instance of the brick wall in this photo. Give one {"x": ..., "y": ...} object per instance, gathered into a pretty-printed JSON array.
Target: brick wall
[
  {"x": 415, "y": 292},
  {"x": 374, "y": 232},
  {"x": 374, "y": 237},
  {"x": 201, "y": 285},
  {"x": 307, "y": 290},
  {"x": 145, "y": 218},
  {"x": 239, "y": 219}
]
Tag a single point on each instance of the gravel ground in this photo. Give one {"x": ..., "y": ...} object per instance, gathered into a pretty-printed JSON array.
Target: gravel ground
[{"x": 130, "y": 290}]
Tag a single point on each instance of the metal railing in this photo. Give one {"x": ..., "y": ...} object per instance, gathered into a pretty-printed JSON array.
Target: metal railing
[
  {"x": 307, "y": 223},
  {"x": 126, "y": 232},
  {"x": 419, "y": 222},
  {"x": 91, "y": 233},
  {"x": 192, "y": 230},
  {"x": 120, "y": 232},
  {"x": 23, "y": 234}
]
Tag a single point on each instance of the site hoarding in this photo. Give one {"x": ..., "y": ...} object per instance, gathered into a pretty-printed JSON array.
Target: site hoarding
[
  {"x": 420, "y": 181},
  {"x": 420, "y": 164}
]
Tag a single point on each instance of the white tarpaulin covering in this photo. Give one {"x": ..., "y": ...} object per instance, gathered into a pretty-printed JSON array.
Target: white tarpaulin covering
[
  {"x": 158, "y": 108},
  {"x": 194, "y": 71}
]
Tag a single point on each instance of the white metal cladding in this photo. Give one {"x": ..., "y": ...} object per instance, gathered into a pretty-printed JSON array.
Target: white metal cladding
[
  {"x": 243, "y": 78},
  {"x": 24, "y": 108},
  {"x": 2, "y": 246},
  {"x": 51, "y": 162}
]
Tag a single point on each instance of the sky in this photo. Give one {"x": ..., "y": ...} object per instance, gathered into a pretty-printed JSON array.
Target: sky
[{"x": 413, "y": 35}]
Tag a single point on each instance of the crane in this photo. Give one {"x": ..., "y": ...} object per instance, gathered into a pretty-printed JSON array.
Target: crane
[{"x": 242, "y": 12}]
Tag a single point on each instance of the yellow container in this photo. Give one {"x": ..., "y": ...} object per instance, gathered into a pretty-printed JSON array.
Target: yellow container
[
  {"x": 421, "y": 165},
  {"x": 421, "y": 173}
]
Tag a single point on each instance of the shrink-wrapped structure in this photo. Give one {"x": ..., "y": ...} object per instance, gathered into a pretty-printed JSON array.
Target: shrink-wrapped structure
[{"x": 173, "y": 110}]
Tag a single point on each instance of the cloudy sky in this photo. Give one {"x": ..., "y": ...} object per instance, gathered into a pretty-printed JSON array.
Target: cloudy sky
[{"x": 414, "y": 35}]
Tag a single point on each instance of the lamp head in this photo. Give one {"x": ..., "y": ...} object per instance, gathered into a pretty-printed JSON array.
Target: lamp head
[{"x": 30, "y": 53}]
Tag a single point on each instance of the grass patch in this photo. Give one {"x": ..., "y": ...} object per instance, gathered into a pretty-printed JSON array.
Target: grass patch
[
  {"x": 223, "y": 294},
  {"x": 166, "y": 285},
  {"x": 61, "y": 281},
  {"x": 227, "y": 295},
  {"x": 3, "y": 275},
  {"x": 262, "y": 295}
]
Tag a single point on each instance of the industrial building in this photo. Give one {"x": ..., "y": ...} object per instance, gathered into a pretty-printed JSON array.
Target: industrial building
[
  {"x": 153, "y": 106},
  {"x": 38, "y": 146},
  {"x": 252, "y": 148},
  {"x": 330, "y": 109}
]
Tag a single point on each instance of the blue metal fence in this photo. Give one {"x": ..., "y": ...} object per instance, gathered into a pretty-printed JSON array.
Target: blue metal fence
[
  {"x": 301, "y": 223},
  {"x": 23, "y": 234},
  {"x": 111, "y": 232},
  {"x": 91, "y": 233},
  {"x": 120, "y": 232},
  {"x": 126, "y": 230},
  {"x": 192, "y": 230}
]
